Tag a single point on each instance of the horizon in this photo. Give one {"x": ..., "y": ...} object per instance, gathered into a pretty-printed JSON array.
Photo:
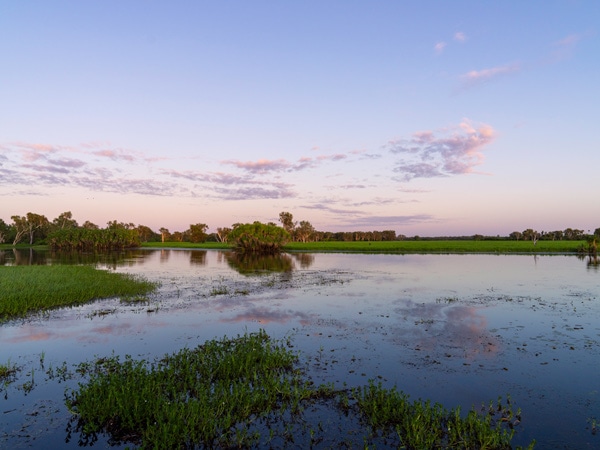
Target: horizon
[{"x": 426, "y": 118}]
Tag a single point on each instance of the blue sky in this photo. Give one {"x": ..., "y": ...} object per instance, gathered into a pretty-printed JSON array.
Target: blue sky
[{"x": 426, "y": 117}]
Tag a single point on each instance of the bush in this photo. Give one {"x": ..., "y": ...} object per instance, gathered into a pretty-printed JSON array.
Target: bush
[{"x": 258, "y": 237}]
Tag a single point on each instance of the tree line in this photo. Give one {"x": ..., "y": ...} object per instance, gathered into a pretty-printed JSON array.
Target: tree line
[{"x": 65, "y": 232}]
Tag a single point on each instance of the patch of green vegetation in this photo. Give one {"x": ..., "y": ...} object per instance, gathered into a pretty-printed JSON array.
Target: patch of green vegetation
[
  {"x": 247, "y": 391},
  {"x": 7, "y": 371},
  {"x": 435, "y": 246},
  {"x": 27, "y": 289},
  {"x": 421, "y": 425}
]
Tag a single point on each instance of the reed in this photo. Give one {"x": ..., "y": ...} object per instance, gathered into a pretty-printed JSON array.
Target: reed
[{"x": 27, "y": 289}]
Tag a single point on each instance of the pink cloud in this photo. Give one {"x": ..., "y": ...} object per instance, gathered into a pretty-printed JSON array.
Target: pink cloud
[
  {"x": 439, "y": 47},
  {"x": 459, "y": 36},
  {"x": 261, "y": 166},
  {"x": 480, "y": 76},
  {"x": 115, "y": 155},
  {"x": 456, "y": 152}
]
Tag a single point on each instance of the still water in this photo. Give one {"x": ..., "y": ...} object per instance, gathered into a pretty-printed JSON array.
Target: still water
[{"x": 456, "y": 329}]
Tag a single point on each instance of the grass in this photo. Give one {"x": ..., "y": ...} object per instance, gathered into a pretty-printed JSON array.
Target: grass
[
  {"x": 449, "y": 246},
  {"x": 27, "y": 289},
  {"x": 419, "y": 246},
  {"x": 7, "y": 371},
  {"x": 248, "y": 392}
]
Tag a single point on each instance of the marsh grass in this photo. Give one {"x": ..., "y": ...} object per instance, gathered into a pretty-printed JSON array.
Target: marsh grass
[
  {"x": 248, "y": 392},
  {"x": 7, "y": 371},
  {"x": 27, "y": 289},
  {"x": 425, "y": 425}
]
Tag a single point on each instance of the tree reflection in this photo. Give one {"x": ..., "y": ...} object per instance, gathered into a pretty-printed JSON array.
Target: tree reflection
[
  {"x": 198, "y": 257},
  {"x": 258, "y": 264},
  {"x": 304, "y": 259}
]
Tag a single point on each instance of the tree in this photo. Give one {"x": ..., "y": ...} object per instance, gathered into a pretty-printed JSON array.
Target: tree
[
  {"x": 177, "y": 236},
  {"x": 223, "y": 234},
  {"x": 4, "y": 230},
  {"x": 65, "y": 220},
  {"x": 145, "y": 233},
  {"x": 287, "y": 221},
  {"x": 114, "y": 225},
  {"x": 304, "y": 231},
  {"x": 35, "y": 223},
  {"x": 529, "y": 233},
  {"x": 89, "y": 225},
  {"x": 258, "y": 237},
  {"x": 516, "y": 235},
  {"x": 28, "y": 224},
  {"x": 20, "y": 226},
  {"x": 388, "y": 235},
  {"x": 164, "y": 234},
  {"x": 197, "y": 232}
]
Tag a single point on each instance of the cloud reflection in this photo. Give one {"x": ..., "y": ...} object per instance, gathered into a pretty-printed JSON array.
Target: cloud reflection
[
  {"x": 446, "y": 331},
  {"x": 265, "y": 316}
]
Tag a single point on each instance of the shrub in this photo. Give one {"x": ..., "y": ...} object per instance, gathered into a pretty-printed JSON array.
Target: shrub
[{"x": 258, "y": 237}]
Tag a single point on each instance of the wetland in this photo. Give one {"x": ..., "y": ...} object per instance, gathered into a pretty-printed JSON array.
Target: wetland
[{"x": 461, "y": 330}]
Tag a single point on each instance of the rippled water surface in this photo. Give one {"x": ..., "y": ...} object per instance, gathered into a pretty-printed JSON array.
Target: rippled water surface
[{"x": 456, "y": 329}]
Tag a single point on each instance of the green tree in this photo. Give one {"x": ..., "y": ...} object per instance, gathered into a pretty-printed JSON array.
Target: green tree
[
  {"x": 146, "y": 234},
  {"x": 28, "y": 225},
  {"x": 64, "y": 220},
  {"x": 223, "y": 234},
  {"x": 164, "y": 234},
  {"x": 4, "y": 231},
  {"x": 388, "y": 235},
  {"x": 531, "y": 234},
  {"x": 258, "y": 237},
  {"x": 287, "y": 221},
  {"x": 89, "y": 225},
  {"x": 197, "y": 232},
  {"x": 304, "y": 232}
]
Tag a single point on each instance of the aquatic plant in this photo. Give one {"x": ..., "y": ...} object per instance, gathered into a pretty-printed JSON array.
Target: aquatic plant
[
  {"x": 421, "y": 424},
  {"x": 247, "y": 391},
  {"x": 26, "y": 289}
]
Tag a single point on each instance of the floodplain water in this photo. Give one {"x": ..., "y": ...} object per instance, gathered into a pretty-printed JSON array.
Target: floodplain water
[{"x": 455, "y": 329}]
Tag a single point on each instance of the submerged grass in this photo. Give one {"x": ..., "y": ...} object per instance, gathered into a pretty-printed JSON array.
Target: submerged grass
[
  {"x": 26, "y": 289},
  {"x": 248, "y": 392}
]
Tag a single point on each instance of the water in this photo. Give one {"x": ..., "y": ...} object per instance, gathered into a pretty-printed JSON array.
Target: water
[{"x": 456, "y": 329}]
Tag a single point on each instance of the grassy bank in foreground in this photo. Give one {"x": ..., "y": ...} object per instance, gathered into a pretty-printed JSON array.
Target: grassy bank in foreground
[
  {"x": 26, "y": 289},
  {"x": 248, "y": 392},
  {"x": 439, "y": 246}
]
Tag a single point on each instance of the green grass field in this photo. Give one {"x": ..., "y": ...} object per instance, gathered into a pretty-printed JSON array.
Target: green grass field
[
  {"x": 25, "y": 289},
  {"x": 423, "y": 246},
  {"x": 449, "y": 246}
]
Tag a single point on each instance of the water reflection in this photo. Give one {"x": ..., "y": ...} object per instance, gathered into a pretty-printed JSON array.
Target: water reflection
[
  {"x": 198, "y": 258},
  {"x": 257, "y": 264},
  {"x": 460, "y": 329}
]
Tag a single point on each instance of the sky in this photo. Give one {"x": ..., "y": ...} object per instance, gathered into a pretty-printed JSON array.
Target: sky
[{"x": 430, "y": 118}]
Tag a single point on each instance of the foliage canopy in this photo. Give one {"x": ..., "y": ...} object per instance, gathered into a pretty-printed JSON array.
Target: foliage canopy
[{"x": 258, "y": 237}]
